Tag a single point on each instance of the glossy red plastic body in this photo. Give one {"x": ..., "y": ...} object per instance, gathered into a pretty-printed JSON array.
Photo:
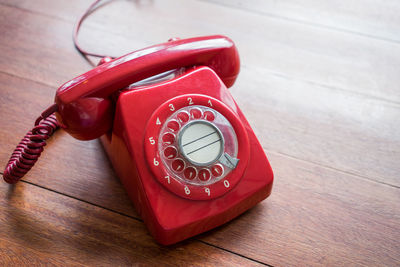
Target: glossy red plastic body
[
  {"x": 195, "y": 192},
  {"x": 171, "y": 218},
  {"x": 84, "y": 108},
  {"x": 93, "y": 105}
]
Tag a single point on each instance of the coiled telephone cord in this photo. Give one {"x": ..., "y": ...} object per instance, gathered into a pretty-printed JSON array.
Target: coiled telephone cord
[{"x": 31, "y": 146}]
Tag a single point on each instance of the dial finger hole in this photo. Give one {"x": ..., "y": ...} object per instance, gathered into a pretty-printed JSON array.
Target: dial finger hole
[
  {"x": 170, "y": 152},
  {"x": 217, "y": 170},
  {"x": 183, "y": 116},
  {"x": 178, "y": 165},
  {"x": 209, "y": 115},
  {"x": 173, "y": 125},
  {"x": 190, "y": 173},
  {"x": 195, "y": 113},
  {"x": 204, "y": 175},
  {"x": 168, "y": 138}
]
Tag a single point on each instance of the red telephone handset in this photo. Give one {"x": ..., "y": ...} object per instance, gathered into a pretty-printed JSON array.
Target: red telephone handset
[
  {"x": 84, "y": 109},
  {"x": 182, "y": 148}
]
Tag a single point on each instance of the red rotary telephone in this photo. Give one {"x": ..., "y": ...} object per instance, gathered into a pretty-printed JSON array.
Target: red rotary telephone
[{"x": 181, "y": 146}]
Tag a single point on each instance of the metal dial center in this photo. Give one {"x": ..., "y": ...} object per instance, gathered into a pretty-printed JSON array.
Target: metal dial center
[{"x": 201, "y": 143}]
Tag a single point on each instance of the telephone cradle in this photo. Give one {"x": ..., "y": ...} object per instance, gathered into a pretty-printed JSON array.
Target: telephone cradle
[{"x": 177, "y": 140}]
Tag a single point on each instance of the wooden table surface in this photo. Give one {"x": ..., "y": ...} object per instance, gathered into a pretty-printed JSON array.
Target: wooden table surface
[{"x": 319, "y": 83}]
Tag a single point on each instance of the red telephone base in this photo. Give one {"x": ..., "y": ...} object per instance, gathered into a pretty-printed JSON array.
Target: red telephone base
[{"x": 170, "y": 217}]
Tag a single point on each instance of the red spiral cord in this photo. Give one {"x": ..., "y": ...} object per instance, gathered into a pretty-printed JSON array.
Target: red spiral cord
[{"x": 31, "y": 146}]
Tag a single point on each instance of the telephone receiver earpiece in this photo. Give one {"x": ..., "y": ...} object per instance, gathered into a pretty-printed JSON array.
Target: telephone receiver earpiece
[{"x": 84, "y": 108}]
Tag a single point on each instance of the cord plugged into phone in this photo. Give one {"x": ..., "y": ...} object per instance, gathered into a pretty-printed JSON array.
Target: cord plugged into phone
[{"x": 176, "y": 138}]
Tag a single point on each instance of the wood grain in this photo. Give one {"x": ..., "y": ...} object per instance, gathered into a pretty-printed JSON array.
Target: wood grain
[
  {"x": 324, "y": 103},
  {"x": 318, "y": 217},
  {"x": 349, "y": 115},
  {"x": 310, "y": 204},
  {"x": 336, "y": 59},
  {"x": 62, "y": 231},
  {"x": 64, "y": 158},
  {"x": 359, "y": 17}
]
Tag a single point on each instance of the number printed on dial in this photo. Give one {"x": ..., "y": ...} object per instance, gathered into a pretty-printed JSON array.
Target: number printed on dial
[{"x": 191, "y": 144}]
